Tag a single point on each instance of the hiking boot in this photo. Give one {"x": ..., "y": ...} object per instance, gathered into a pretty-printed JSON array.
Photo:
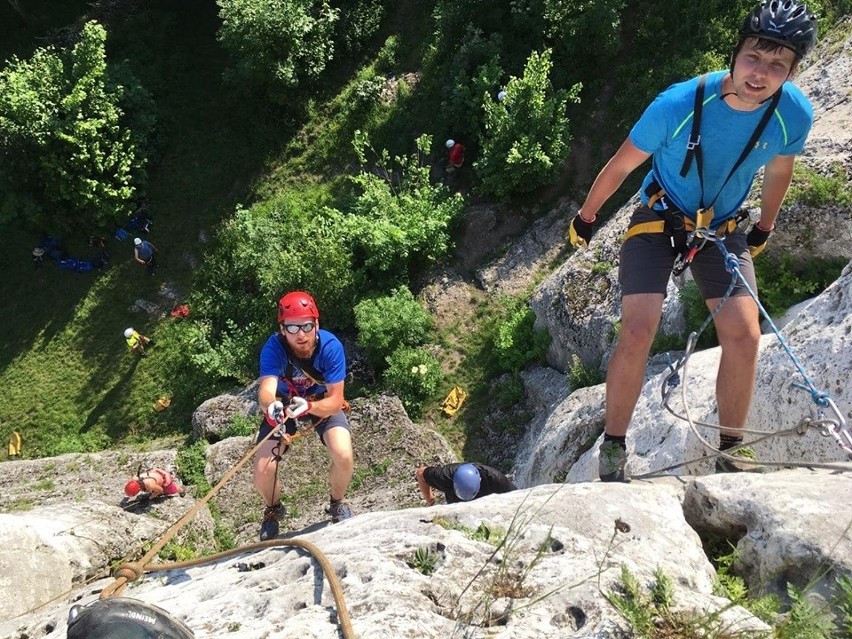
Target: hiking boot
[
  {"x": 744, "y": 453},
  {"x": 269, "y": 526},
  {"x": 339, "y": 510},
  {"x": 612, "y": 459}
]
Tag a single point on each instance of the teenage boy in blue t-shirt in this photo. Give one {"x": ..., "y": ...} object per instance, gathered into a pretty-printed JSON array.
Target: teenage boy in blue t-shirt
[{"x": 750, "y": 117}]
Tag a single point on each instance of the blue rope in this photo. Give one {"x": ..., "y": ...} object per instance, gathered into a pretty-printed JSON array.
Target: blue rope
[{"x": 732, "y": 265}]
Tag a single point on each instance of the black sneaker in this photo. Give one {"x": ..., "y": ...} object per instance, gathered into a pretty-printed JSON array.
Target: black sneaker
[
  {"x": 741, "y": 463},
  {"x": 339, "y": 510},
  {"x": 611, "y": 462},
  {"x": 269, "y": 526}
]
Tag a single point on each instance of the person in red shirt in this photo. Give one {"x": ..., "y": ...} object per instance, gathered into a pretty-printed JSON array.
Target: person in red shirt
[{"x": 456, "y": 151}]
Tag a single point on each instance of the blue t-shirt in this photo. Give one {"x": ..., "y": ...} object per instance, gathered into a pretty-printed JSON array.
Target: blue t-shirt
[
  {"x": 664, "y": 129},
  {"x": 330, "y": 361},
  {"x": 145, "y": 250}
]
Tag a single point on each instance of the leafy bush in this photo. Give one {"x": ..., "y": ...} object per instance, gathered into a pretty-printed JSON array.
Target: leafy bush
[
  {"x": 414, "y": 374},
  {"x": 359, "y": 21},
  {"x": 287, "y": 243},
  {"x": 70, "y": 160},
  {"x": 386, "y": 323},
  {"x": 190, "y": 462},
  {"x": 812, "y": 189},
  {"x": 526, "y": 136},
  {"x": 474, "y": 70},
  {"x": 277, "y": 45},
  {"x": 516, "y": 342},
  {"x": 781, "y": 283},
  {"x": 399, "y": 224},
  {"x": 695, "y": 312}
]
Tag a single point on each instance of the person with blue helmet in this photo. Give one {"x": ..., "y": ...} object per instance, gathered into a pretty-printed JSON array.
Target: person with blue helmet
[{"x": 461, "y": 481}]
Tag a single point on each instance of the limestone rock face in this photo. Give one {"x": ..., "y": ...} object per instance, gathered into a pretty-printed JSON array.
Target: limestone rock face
[
  {"x": 822, "y": 338},
  {"x": 787, "y": 523},
  {"x": 562, "y": 549},
  {"x": 212, "y": 419}
]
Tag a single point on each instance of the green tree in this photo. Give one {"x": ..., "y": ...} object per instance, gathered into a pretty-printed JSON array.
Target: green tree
[
  {"x": 526, "y": 136},
  {"x": 414, "y": 374},
  {"x": 386, "y": 323},
  {"x": 278, "y": 44},
  {"x": 399, "y": 224},
  {"x": 69, "y": 160},
  {"x": 288, "y": 243}
]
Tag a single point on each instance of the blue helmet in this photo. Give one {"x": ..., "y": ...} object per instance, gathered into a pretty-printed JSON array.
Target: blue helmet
[{"x": 466, "y": 482}]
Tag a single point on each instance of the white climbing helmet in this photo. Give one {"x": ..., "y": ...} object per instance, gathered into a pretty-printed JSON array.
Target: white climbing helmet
[
  {"x": 137, "y": 241},
  {"x": 450, "y": 143},
  {"x": 128, "y": 332}
]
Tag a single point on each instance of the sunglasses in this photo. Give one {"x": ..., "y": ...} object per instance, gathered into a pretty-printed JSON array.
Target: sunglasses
[{"x": 293, "y": 329}]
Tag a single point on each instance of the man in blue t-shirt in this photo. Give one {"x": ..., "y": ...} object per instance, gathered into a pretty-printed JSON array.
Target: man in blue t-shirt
[
  {"x": 750, "y": 117},
  {"x": 305, "y": 367},
  {"x": 145, "y": 252}
]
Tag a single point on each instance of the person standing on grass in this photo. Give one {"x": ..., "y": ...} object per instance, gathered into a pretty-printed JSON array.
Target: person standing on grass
[
  {"x": 137, "y": 342},
  {"x": 145, "y": 253},
  {"x": 708, "y": 137},
  {"x": 304, "y": 366}
]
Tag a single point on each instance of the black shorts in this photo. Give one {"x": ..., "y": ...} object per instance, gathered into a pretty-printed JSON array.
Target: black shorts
[{"x": 647, "y": 260}]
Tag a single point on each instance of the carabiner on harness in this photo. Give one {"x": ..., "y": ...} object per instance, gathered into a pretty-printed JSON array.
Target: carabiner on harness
[{"x": 697, "y": 240}]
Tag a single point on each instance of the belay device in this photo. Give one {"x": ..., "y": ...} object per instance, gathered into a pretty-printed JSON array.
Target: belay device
[{"x": 122, "y": 618}]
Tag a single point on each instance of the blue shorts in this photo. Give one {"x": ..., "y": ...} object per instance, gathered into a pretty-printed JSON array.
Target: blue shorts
[
  {"x": 647, "y": 260},
  {"x": 322, "y": 425}
]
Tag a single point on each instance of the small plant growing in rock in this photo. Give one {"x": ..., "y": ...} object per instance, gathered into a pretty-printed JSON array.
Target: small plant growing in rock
[
  {"x": 733, "y": 587},
  {"x": 651, "y": 616},
  {"x": 423, "y": 561},
  {"x": 582, "y": 376}
]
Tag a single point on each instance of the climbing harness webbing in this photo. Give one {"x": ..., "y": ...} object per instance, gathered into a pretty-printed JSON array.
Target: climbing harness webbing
[
  {"x": 685, "y": 240},
  {"x": 693, "y": 146},
  {"x": 659, "y": 226},
  {"x": 827, "y": 426}
]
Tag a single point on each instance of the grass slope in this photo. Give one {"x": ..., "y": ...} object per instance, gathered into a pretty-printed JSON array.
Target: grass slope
[{"x": 69, "y": 381}]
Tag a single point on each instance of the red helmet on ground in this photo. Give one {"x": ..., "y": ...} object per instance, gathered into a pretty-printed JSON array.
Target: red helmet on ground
[
  {"x": 132, "y": 488},
  {"x": 297, "y": 304}
]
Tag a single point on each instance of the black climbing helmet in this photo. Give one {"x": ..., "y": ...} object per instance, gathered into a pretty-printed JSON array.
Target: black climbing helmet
[
  {"x": 123, "y": 618},
  {"x": 787, "y": 22}
]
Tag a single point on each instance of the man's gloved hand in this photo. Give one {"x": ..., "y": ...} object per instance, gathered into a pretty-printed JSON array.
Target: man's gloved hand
[
  {"x": 275, "y": 412},
  {"x": 580, "y": 231},
  {"x": 298, "y": 407},
  {"x": 756, "y": 239}
]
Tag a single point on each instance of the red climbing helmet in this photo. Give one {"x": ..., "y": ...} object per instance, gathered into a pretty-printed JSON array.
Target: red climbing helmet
[
  {"x": 786, "y": 22},
  {"x": 132, "y": 488},
  {"x": 295, "y": 305}
]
